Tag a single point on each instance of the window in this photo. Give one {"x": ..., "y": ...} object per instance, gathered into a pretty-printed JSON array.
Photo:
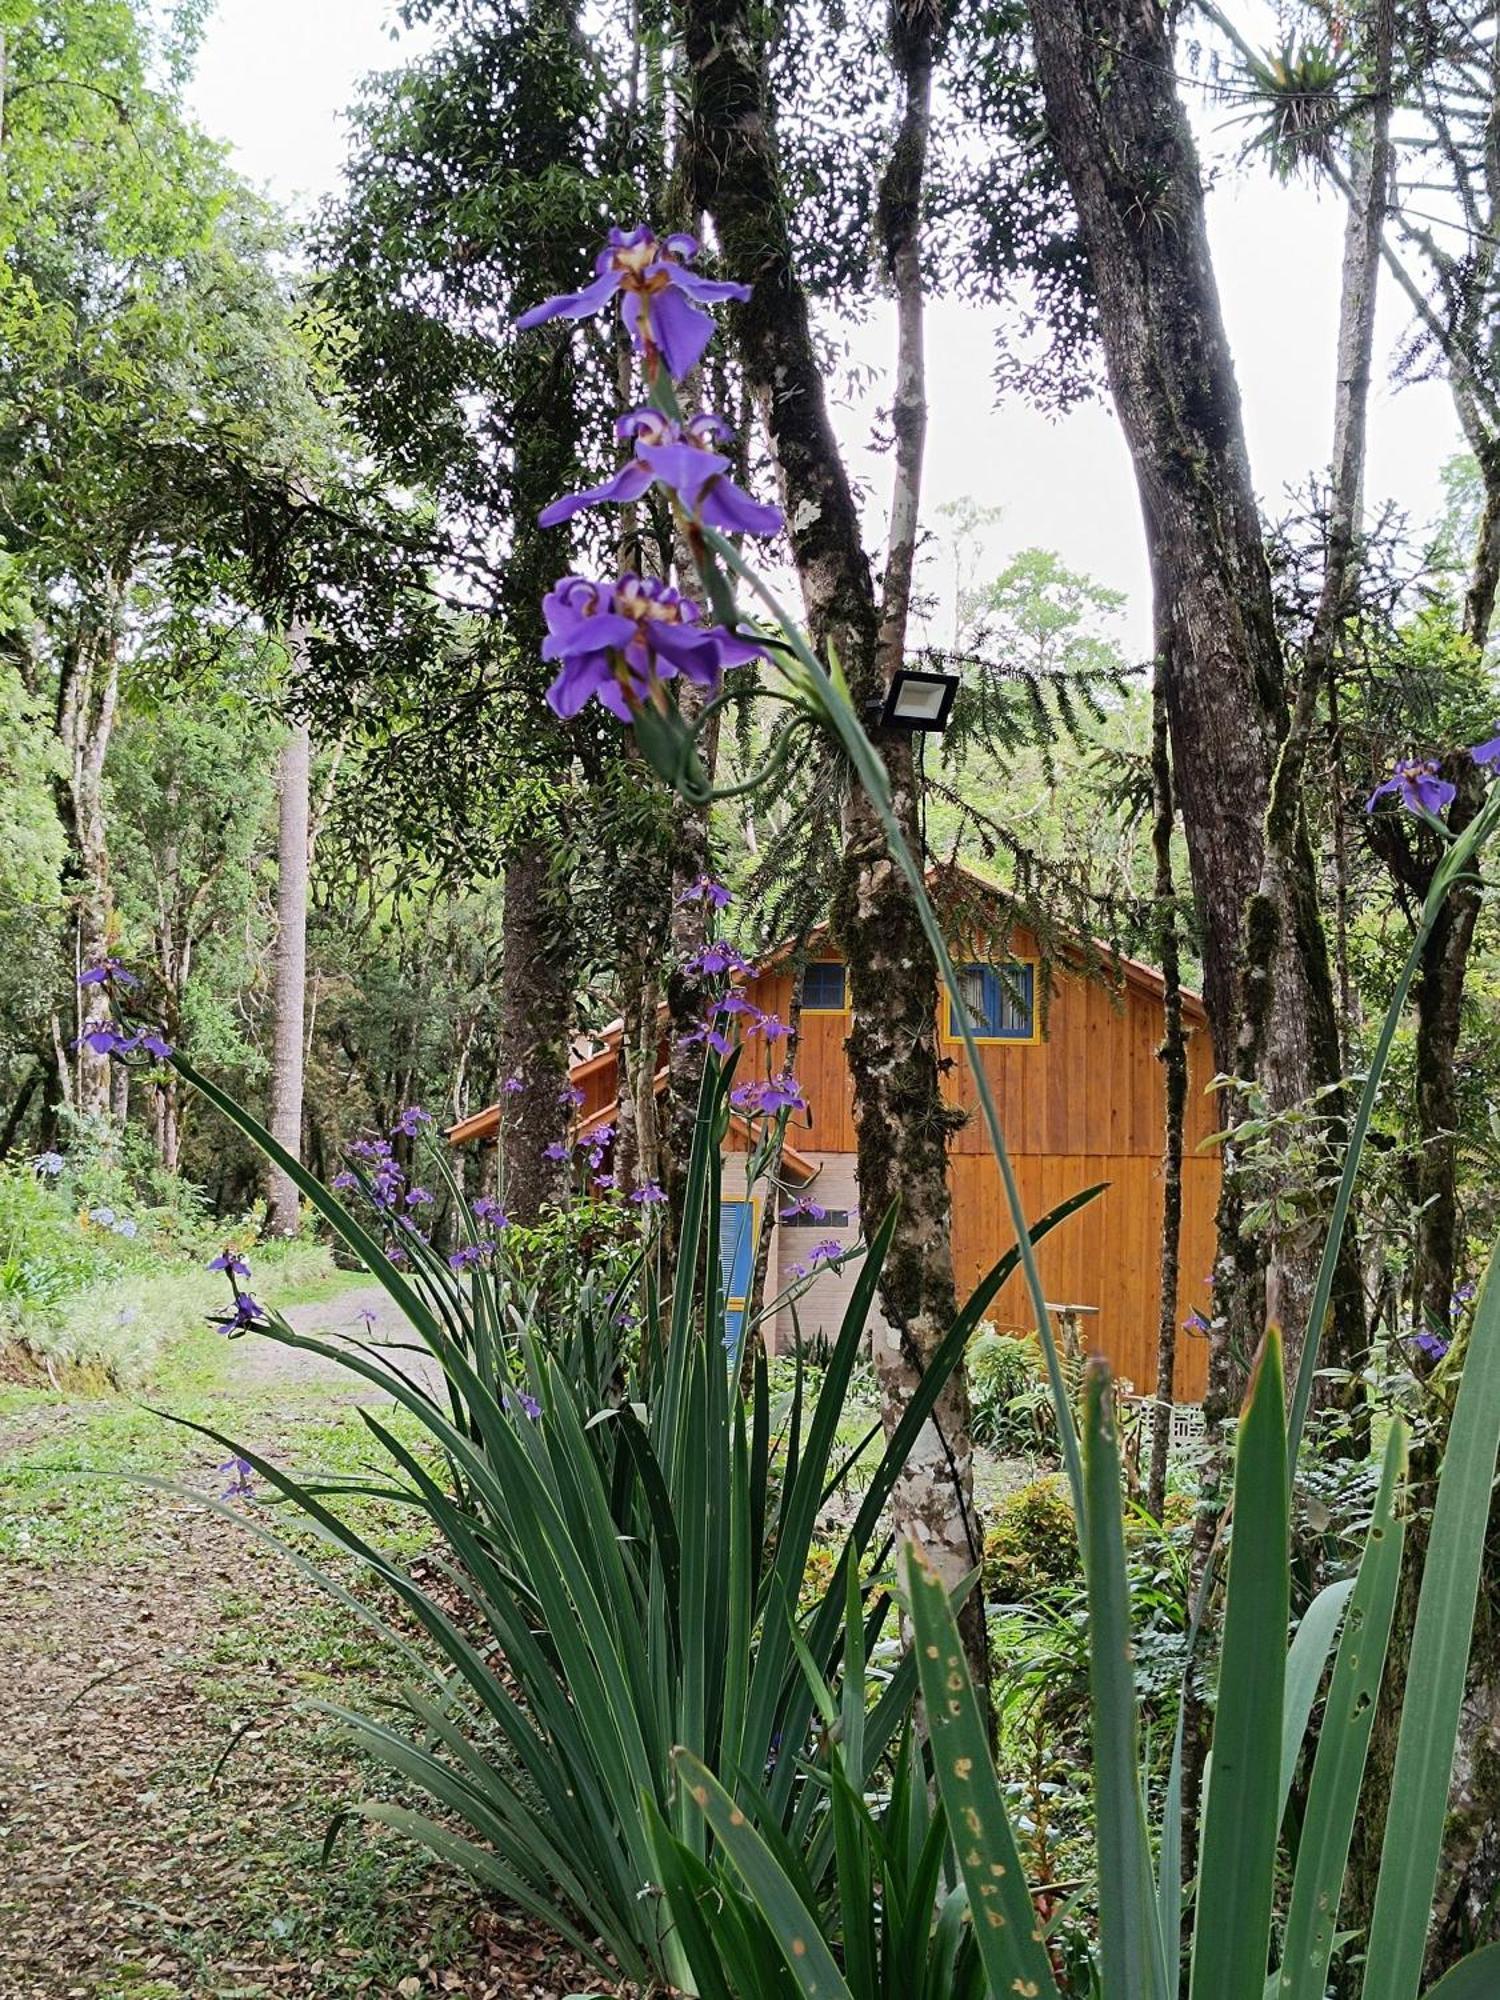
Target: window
[
  {"x": 823, "y": 986},
  {"x": 1000, "y": 1001}
]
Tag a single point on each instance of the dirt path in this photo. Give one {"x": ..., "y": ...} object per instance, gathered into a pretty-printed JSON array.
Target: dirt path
[{"x": 143, "y": 1640}]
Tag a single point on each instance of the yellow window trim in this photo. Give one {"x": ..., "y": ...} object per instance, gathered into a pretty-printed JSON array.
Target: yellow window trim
[{"x": 1033, "y": 1040}]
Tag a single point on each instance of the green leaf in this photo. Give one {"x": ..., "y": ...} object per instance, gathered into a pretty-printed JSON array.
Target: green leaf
[
  {"x": 1304, "y": 1673},
  {"x": 1343, "y": 1742},
  {"x": 802, "y": 1944},
  {"x": 1433, "y": 1699},
  {"x": 1476, "y": 1977},
  {"x": 1129, "y": 1942},
  {"x": 1007, "y": 1930},
  {"x": 1237, "y": 1874}
]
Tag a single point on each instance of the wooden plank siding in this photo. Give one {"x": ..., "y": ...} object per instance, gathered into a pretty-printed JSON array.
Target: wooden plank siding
[{"x": 1081, "y": 1105}]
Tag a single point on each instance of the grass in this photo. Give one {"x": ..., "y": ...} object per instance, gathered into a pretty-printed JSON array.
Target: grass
[{"x": 157, "y": 1678}]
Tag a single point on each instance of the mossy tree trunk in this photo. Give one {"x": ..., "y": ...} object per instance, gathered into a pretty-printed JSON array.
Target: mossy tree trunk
[{"x": 901, "y": 1122}]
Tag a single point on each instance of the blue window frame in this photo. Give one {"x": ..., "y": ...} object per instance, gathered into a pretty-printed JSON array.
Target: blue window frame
[
  {"x": 824, "y": 986},
  {"x": 1000, "y": 1001}
]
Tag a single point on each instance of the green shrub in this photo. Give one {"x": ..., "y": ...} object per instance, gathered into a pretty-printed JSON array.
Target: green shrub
[
  {"x": 1031, "y": 1550},
  {"x": 1009, "y": 1401}
]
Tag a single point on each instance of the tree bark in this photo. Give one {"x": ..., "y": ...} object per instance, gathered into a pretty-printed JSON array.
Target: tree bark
[
  {"x": 1107, "y": 71},
  {"x": 88, "y": 694},
  {"x": 289, "y": 970},
  {"x": 536, "y": 1016},
  {"x": 1173, "y": 1053},
  {"x": 901, "y": 1122}
]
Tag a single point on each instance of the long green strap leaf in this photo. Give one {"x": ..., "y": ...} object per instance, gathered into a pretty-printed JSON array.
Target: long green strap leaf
[
  {"x": 1476, "y": 1977},
  {"x": 1343, "y": 1742},
  {"x": 1129, "y": 1941},
  {"x": 1007, "y": 1930},
  {"x": 1237, "y": 1877},
  {"x": 802, "y": 1944},
  {"x": 1433, "y": 1699},
  {"x": 1305, "y": 1664}
]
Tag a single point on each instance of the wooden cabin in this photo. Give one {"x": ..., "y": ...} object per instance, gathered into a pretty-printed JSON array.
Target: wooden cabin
[{"x": 1078, "y": 1082}]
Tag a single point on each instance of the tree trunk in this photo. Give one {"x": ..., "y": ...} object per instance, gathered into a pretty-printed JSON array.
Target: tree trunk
[
  {"x": 535, "y": 1019},
  {"x": 289, "y": 972},
  {"x": 1107, "y": 71},
  {"x": 88, "y": 693},
  {"x": 901, "y": 1122},
  {"x": 1173, "y": 1053}
]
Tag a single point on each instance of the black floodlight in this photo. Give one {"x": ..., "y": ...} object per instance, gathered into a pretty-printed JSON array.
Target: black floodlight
[{"x": 918, "y": 699}]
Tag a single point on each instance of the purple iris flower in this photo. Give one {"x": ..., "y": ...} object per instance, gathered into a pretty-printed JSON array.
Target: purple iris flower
[
  {"x": 558, "y": 1150},
  {"x": 682, "y": 458},
  {"x": 371, "y": 1149},
  {"x": 1462, "y": 1294},
  {"x": 706, "y": 890},
  {"x": 798, "y": 1209},
  {"x": 344, "y": 1183},
  {"x": 232, "y": 1262},
  {"x": 570, "y": 1094},
  {"x": 238, "y": 1486},
  {"x": 154, "y": 1044},
  {"x": 605, "y": 1181},
  {"x": 1487, "y": 753},
  {"x": 529, "y": 1404},
  {"x": 661, "y": 297},
  {"x": 772, "y": 1027},
  {"x": 718, "y": 957},
  {"x": 247, "y": 1312},
  {"x": 513, "y": 1086},
  {"x": 411, "y": 1121},
  {"x": 418, "y": 1197},
  {"x": 1433, "y": 1345},
  {"x": 106, "y": 970},
  {"x": 621, "y": 641},
  {"x": 1415, "y": 781},
  {"x": 106, "y": 1038},
  {"x": 781, "y": 1093},
  {"x": 648, "y": 1195},
  {"x": 470, "y": 1255},
  {"x": 825, "y": 1252},
  {"x": 707, "y": 1032}
]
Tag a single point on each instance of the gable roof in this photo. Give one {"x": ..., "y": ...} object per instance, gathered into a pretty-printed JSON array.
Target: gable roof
[{"x": 1080, "y": 952}]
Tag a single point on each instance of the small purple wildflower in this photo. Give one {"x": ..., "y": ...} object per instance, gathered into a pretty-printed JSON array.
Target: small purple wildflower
[
  {"x": 126, "y": 1226},
  {"x": 104, "y": 971},
  {"x": 103, "y": 1216},
  {"x": 604, "y": 1181},
  {"x": 661, "y": 299},
  {"x": 1433, "y": 1345},
  {"x": 558, "y": 1150},
  {"x": 1462, "y": 1295},
  {"x": 49, "y": 1165},
  {"x": 238, "y": 1486},
  {"x": 410, "y": 1122},
  {"x": 1416, "y": 783},
  {"x": 232, "y": 1262},
  {"x": 648, "y": 1195},
  {"x": 513, "y": 1086},
  {"x": 371, "y": 1149}
]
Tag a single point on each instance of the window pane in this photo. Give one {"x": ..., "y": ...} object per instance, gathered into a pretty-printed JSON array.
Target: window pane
[
  {"x": 971, "y": 985},
  {"x": 823, "y": 985},
  {"x": 999, "y": 1000}
]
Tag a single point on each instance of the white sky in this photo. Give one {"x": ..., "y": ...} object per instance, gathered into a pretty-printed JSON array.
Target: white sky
[{"x": 275, "y": 75}]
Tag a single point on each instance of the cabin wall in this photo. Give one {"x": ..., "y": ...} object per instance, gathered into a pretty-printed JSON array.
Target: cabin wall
[{"x": 1080, "y": 1106}]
